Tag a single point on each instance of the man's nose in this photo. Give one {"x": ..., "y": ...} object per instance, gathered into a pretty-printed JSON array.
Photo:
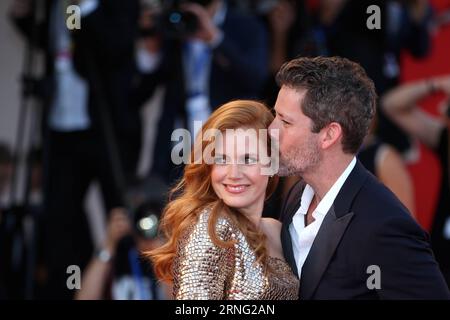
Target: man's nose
[{"x": 273, "y": 129}]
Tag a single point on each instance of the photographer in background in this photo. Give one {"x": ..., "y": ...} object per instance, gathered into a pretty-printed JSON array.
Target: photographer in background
[
  {"x": 208, "y": 54},
  {"x": 400, "y": 104},
  {"x": 117, "y": 271},
  {"x": 88, "y": 74}
]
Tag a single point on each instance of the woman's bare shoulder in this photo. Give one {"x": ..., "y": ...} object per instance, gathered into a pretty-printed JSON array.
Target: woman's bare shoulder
[
  {"x": 271, "y": 225},
  {"x": 271, "y": 221}
]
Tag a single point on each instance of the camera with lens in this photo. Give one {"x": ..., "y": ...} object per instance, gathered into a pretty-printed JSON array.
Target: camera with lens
[
  {"x": 178, "y": 23},
  {"x": 146, "y": 219}
]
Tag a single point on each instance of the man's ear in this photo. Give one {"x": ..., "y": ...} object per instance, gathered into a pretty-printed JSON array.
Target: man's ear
[{"x": 331, "y": 135}]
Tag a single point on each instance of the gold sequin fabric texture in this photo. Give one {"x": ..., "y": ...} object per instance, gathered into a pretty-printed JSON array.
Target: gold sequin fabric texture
[{"x": 203, "y": 270}]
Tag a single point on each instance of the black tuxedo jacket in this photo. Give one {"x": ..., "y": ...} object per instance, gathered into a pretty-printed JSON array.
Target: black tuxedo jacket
[{"x": 366, "y": 226}]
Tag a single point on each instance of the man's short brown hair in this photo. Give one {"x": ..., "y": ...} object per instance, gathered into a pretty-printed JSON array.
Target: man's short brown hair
[{"x": 337, "y": 90}]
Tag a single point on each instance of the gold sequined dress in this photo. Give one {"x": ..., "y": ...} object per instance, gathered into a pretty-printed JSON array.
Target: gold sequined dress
[{"x": 203, "y": 270}]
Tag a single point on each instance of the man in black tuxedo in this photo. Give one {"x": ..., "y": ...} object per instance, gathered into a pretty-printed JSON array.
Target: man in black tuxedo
[{"x": 344, "y": 234}]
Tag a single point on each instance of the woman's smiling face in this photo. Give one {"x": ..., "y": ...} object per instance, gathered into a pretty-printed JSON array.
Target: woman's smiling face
[{"x": 236, "y": 174}]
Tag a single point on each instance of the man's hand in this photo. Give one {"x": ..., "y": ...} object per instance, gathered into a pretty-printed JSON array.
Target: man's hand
[
  {"x": 207, "y": 30},
  {"x": 119, "y": 225},
  {"x": 151, "y": 42}
]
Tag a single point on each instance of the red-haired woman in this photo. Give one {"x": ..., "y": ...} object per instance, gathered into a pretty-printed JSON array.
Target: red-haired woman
[{"x": 218, "y": 245}]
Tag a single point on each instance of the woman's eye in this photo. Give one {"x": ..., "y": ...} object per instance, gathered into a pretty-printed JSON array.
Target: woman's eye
[
  {"x": 250, "y": 160},
  {"x": 220, "y": 160}
]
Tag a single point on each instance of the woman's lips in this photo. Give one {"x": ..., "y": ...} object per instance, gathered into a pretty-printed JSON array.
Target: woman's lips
[{"x": 236, "y": 188}]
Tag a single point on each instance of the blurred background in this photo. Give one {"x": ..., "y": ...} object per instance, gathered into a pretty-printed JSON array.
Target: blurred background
[{"x": 90, "y": 96}]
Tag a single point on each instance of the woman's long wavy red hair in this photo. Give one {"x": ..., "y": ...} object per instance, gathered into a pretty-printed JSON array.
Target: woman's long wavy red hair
[{"x": 194, "y": 191}]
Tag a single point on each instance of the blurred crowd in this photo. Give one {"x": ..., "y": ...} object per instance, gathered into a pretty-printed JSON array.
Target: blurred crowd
[{"x": 199, "y": 54}]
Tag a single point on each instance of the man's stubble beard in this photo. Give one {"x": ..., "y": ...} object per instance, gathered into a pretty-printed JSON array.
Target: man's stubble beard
[{"x": 300, "y": 160}]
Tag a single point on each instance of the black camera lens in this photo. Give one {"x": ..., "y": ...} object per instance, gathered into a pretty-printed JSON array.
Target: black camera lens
[{"x": 180, "y": 24}]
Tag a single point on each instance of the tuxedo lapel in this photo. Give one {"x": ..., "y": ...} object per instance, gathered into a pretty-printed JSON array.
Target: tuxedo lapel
[
  {"x": 331, "y": 231},
  {"x": 288, "y": 252},
  {"x": 324, "y": 245}
]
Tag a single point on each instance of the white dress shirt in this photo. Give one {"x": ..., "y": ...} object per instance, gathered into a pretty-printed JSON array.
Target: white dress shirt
[{"x": 303, "y": 236}]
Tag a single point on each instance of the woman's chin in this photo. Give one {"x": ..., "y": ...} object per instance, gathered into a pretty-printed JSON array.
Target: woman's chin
[{"x": 235, "y": 204}]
